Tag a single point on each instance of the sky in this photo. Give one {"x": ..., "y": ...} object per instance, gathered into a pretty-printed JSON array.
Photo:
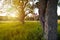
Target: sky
[
  {"x": 35, "y": 10},
  {"x": 58, "y": 11}
]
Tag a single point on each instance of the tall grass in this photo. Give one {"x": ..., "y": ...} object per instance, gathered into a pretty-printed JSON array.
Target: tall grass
[
  {"x": 18, "y": 31},
  {"x": 59, "y": 31},
  {"x": 31, "y": 30}
]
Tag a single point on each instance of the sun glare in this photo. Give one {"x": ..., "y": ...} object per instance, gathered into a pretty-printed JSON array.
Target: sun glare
[
  {"x": 13, "y": 15},
  {"x": 7, "y": 10},
  {"x": 3, "y": 14},
  {"x": 10, "y": 14}
]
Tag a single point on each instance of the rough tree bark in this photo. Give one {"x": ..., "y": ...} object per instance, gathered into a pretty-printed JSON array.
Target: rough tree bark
[
  {"x": 48, "y": 18},
  {"x": 42, "y": 9},
  {"x": 51, "y": 20}
]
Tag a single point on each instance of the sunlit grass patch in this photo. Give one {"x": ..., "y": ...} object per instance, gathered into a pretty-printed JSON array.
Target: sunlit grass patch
[
  {"x": 17, "y": 31},
  {"x": 14, "y": 30},
  {"x": 58, "y": 21}
]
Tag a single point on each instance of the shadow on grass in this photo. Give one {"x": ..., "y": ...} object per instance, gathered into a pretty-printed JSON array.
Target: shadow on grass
[
  {"x": 59, "y": 36},
  {"x": 59, "y": 31}
]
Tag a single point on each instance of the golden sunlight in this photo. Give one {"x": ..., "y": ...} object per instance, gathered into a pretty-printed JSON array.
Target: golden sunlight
[
  {"x": 12, "y": 15},
  {"x": 3, "y": 14},
  {"x": 8, "y": 11}
]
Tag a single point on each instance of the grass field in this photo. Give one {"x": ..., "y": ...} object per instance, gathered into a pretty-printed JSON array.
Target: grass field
[
  {"x": 58, "y": 29},
  {"x": 17, "y": 31}
]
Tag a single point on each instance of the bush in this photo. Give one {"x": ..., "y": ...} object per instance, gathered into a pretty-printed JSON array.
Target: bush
[{"x": 58, "y": 17}]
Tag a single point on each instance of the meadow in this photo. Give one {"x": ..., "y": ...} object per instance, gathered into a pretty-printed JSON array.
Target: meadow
[{"x": 30, "y": 30}]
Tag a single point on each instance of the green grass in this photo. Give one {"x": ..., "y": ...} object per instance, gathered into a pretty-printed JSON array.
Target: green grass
[
  {"x": 18, "y": 31},
  {"x": 58, "y": 31}
]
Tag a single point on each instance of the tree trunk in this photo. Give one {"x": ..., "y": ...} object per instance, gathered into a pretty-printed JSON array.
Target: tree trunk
[
  {"x": 22, "y": 12},
  {"x": 42, "y": 9},
  {"x": 22, "y": 16},
  {"x": 51, "y": 20},
  {"x": 48, "y": 18}
]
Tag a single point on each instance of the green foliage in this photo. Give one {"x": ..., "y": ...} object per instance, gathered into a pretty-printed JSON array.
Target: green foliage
[
  {"x": 58, "y": 17},
  {"x": 59, "y": 4},
  {"x": 59, "y": 31},
  {"x": 10, "y": 9}
]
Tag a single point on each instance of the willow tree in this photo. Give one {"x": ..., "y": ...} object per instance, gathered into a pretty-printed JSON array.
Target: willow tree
[{"x": 48, "y": 18}]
